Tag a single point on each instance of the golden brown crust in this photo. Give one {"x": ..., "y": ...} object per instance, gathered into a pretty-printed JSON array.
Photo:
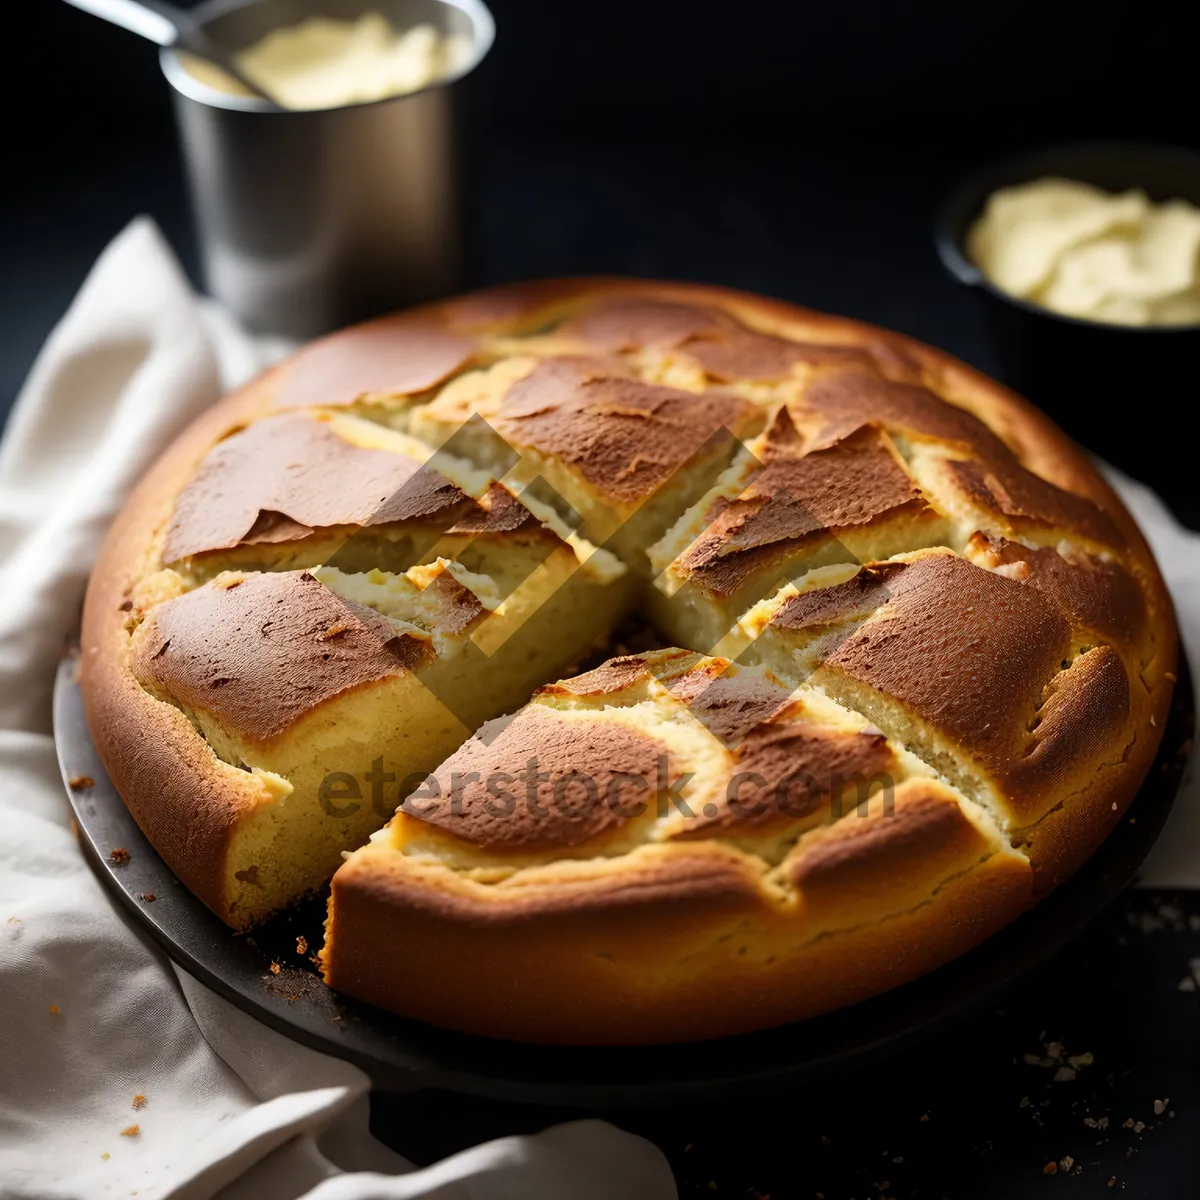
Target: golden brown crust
[
  {"x": 674, "y": 942},
  {"x": 788, "y": 770},
  {"x": 1028, "y": 501},
  {"x": 497, "y": 512},
  {"x": 284, "y": 477},
  {"x": 626, "y": 438},
  {"x": 596, "y": 949},
  {"x": 537, "y": 782},
  {"x": 394, "y": 356},
  {"x": 185, "y": 803},
  {"x": 1098, "y": 594},
  {"x": 820, "y": 608},
  {"x": 455, "y": 607},
  {"x": 731, "y": 706},
  {"x": 259, "y": 652},
  {"x": 723, "y": 347},
  {"x": 799, "y": 499},
  {"x": 967, "y": 650},
  {"x": 615, "y": 675},
  {"x": 994, "y": 478}
]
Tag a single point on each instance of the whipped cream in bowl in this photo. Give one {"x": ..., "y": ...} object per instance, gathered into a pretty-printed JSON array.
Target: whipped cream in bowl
[
  {"x": 1080, "y": 263},
  {"x": 1085, "y": 252},
  {"x": 324, "y": 62}
]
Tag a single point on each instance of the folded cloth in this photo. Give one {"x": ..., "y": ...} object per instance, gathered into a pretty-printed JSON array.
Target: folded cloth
[{"x": 120, "y": 1075}]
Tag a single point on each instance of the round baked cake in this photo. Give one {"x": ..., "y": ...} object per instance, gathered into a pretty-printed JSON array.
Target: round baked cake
[{"x": 643, "y": 662}]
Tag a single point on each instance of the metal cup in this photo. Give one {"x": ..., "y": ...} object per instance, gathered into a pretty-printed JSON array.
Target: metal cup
[{"x": 312, "y": 220}]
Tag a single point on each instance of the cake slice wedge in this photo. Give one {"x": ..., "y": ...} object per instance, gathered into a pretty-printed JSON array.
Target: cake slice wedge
[{"x": 665, "y": 848}]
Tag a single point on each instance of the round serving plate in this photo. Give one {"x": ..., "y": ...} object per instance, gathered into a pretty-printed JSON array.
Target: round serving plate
[{"x": 271, "y": 973}]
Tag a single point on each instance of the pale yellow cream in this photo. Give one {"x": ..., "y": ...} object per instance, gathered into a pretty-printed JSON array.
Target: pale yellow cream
[
  {"x": 1083, "y": 252},
  {"x": 324, "y": 63}
]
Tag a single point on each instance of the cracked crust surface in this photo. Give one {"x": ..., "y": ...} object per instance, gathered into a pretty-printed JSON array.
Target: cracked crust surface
[{"x": 923, "y": 658}]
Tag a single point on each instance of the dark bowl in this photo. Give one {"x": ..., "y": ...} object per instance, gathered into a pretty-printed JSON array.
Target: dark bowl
[{"x": 1112, "y": 387}]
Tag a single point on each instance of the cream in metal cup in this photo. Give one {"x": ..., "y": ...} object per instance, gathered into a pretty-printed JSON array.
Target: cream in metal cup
[{"x": 310, "y": 220}]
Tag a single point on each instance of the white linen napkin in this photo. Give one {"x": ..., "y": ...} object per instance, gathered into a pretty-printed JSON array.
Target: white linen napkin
[{"x": 91, "y": 1015}]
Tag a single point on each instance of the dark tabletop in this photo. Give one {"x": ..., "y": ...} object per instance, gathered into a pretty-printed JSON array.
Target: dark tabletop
[
  {"x": 963, "y": 1115},
  {"x": 809, "y": 169}
]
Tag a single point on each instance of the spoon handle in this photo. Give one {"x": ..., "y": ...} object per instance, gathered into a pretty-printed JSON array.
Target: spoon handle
[
  {"x": 168, "y": 25},
  {"x": 158, "y": 22}
]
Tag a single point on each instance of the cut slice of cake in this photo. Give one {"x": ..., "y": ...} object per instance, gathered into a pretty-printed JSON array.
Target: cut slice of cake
[
  {"x": 620, "y": 458},
  {"x": 336, "y": 691},
  {"x": 783, "y": 509},
  {"x": 981, "y": 674},
  {"x": 667, "y": 843}
]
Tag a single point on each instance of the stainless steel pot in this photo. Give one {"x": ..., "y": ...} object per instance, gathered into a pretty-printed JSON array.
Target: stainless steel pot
[{"x": 311, "y": 220}]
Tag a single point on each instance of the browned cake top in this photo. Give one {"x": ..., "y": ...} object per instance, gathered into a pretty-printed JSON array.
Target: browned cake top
[
  {"x": 624, "y": 436},
  {"x": 850, "y": 858},
  {"x": 798, "y": 498},
  {"x": 785, "y": 771},
  {"x": 497, "y": 512},
  {"x": 968, "y": 650},
  {"x": 384, "y": 358},
  {"x": 719, "y": 343},
  {"x": 1098, "y": 594},
  {"x": 1006, "y": 487},
  {"x": 858, "y": 596},
  {"x": 453, "y": 607},
  {"x": 840, "y": 401},
  {"x": 541, "y": 780},
  {"x": 730, "y": 705},
  {"x": 1082, "y": 721},
  {"x": 260, "y": 651},
  {"x": 616, "y": 675},
  {"x": 851, "y": 483},
  {"x": 948, "y": 638},
  {"x": 282, "y": 477}
]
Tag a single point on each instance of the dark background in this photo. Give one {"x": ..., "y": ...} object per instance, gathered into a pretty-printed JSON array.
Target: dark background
[
  {"x": 792, "y": 147},
  {"x": 798, "y": 149}
]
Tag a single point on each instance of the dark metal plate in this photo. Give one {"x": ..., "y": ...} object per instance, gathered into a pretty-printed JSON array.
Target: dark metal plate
[{"x": 266, "y": 975}]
